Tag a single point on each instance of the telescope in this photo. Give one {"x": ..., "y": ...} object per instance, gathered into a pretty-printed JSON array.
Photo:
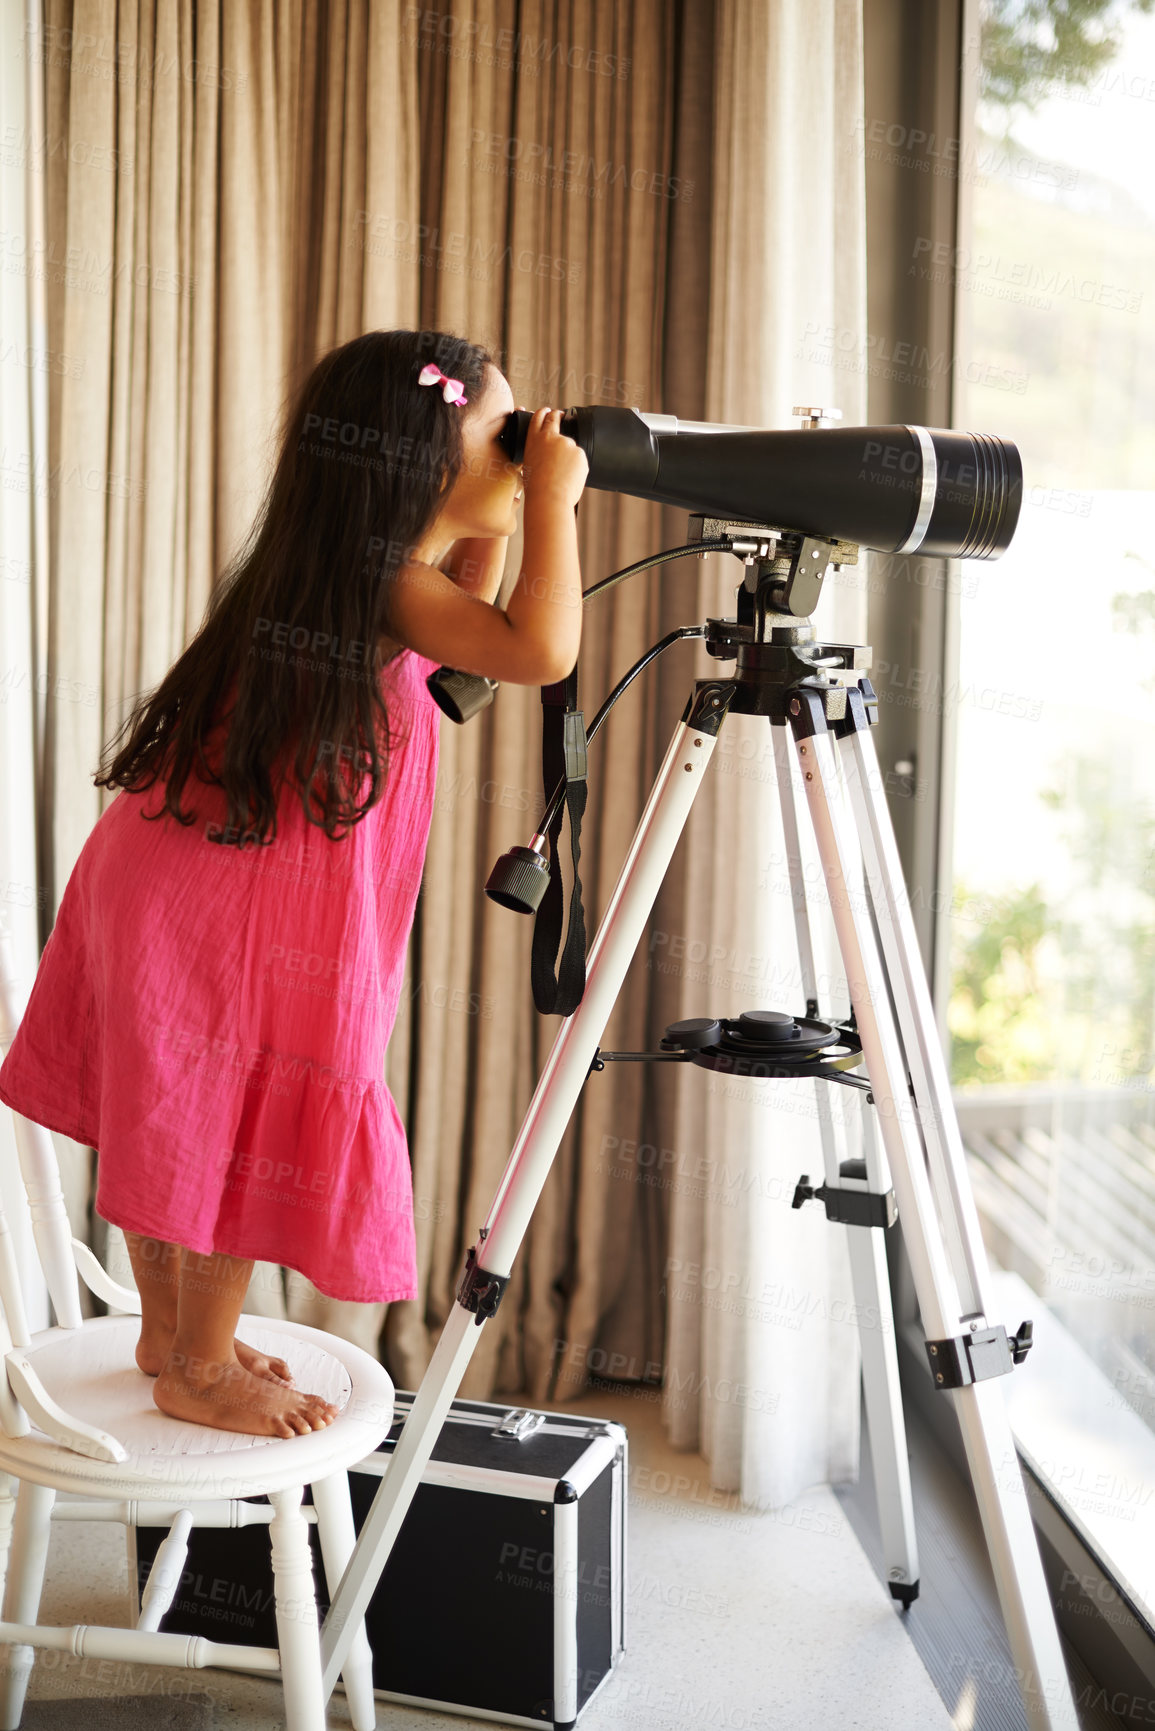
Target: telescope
[
  {"x": 896, "y": 489},
  {"x": 790, "y": 505},
  {"x": 893, "y": 489}
]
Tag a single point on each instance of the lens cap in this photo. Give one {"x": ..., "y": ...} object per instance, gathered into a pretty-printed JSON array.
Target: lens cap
[
  {"x": 694, "y": 1035},
  {"x": 767, "y": 1027}
]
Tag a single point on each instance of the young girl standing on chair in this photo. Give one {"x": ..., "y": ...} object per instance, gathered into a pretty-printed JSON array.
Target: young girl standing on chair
[{"x": 212, "y": 1007}]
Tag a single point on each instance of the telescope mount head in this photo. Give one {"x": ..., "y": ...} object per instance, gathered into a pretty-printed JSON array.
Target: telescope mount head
[{"x": 785, "y": 568}]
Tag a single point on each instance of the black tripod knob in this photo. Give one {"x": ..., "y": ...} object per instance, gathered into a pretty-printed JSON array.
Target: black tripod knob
[
  {"x": 1021, "y": 1343},
  {"x": 804, "y": 1191}
]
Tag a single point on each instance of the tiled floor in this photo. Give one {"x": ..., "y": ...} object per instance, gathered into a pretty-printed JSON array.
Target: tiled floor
[{"x": 736, "y": 1620}]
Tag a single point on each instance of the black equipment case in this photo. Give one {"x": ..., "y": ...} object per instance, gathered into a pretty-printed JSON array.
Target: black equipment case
[{"x": 504, "y": 1595}]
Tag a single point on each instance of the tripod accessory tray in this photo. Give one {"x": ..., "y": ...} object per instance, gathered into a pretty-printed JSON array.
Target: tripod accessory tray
[
  {"x": 765, "y": 1044},
  {"x": 504, "y": 1594}
]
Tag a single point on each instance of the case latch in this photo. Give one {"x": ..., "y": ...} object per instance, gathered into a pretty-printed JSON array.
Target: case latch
[{"x": 519, "y": 1423}]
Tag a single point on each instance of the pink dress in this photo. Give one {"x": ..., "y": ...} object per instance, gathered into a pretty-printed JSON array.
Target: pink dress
[{"x": 214, "y": 1020}]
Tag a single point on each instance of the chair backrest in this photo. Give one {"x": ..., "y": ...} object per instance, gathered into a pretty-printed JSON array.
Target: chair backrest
[
  {"x": 21, "y": 1393},
  {"x": 41, "y": 1174}
]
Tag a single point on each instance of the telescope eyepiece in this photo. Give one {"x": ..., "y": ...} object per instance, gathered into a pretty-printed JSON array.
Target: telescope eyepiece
[{"x": 513, "y": 434}]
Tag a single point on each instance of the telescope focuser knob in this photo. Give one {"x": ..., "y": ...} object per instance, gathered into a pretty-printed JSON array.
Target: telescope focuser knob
[
  {"x": 520, "y": 879},
  {"x": 817, "y": 417},
  {"x": 460, "y": 695}
]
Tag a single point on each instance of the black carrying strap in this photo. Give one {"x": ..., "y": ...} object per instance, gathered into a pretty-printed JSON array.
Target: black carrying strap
[{"x": 563, "y": 754}]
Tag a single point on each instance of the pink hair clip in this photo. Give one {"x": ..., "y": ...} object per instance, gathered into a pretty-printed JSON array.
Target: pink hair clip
[{"x": 454, "y": 391}]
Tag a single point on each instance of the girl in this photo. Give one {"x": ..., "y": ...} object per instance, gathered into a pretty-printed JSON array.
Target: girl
[{"x": 212, "y": 1007}]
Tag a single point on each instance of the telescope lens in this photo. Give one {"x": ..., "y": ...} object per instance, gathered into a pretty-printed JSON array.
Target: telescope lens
[{"x": 978, "y": 492}]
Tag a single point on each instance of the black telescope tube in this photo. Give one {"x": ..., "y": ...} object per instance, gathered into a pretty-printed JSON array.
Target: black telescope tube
[{"x": 898, "y": 489}]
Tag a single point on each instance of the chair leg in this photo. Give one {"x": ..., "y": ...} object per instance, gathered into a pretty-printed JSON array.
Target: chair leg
[
  {"x": 25, "y": 1582},
  {"x": 335, "y": 1527},
  {"x": 298, "y": 1631},
  {"x": 7, "y": 1516},
  {"x": 7, "y": 1513}
]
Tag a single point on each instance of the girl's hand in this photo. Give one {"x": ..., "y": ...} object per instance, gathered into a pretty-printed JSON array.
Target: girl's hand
[
  {"x": 535, "y": 639},
  {"x": 554, "y": 466}
]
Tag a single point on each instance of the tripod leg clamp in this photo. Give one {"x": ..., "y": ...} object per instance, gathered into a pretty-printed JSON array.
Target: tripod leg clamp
[
  {"x": 850, "y": 1207},
  {"x": 479, "y": 1290},
  {"x": 971, "y": 1358}
]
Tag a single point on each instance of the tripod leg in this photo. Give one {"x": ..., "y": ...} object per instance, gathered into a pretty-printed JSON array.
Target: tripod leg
[
  {"x": 867, "y": 1254},
  {"x": 998, "y": 1484},
  {"x": 788, "y": 811},
  {"x": 916, "y": 1019},
  {"x": 566, "y": 1069},
  {"x": 883, "y": 1395}
]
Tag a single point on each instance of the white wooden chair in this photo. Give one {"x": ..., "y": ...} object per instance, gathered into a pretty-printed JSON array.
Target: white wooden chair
[{"x": 77, "y": 1415}]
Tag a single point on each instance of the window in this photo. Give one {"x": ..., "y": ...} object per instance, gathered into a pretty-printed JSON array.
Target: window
[{"x": 1052, "y": 1012}]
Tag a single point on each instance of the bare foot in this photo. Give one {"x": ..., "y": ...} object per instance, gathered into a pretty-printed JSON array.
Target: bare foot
[
  {"x": 152, "y": 1349},
  {"x": 230, "y": 1397}
]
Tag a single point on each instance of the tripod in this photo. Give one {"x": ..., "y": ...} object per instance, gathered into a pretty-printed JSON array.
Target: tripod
[{"x": 818, "y": 693}]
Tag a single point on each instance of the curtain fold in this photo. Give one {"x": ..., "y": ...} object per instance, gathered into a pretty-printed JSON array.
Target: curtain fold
[
  {"x": 25, "y": 381},
  {"x": 762, "y": 1358},
  {"x": 634, "y": 205}
]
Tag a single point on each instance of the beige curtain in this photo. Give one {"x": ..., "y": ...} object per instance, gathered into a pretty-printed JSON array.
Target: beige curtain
[
  {"x": 561, "y": 178},
  {"x": 762, "y": 1356},
  {"x": 206, "y": 169},
  {"x": 23, "y": 413},
  {"x": 631, "y": 204}
]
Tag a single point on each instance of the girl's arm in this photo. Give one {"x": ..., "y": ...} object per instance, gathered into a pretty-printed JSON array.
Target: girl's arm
[
  {"x": 477, "y": 565},
  {"x": 535, "y": 640}
]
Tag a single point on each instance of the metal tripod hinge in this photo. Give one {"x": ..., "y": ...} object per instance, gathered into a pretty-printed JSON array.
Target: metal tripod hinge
[{"x": 480, "y": 1291}]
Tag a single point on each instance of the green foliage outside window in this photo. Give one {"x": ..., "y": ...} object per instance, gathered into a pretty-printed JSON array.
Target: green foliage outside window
[
  {"x": 999, "y": 1032},
  {"x": 1050, "y": 986},
  {"x": 1032, "y": 49},
  {"x": 1062, "y": 989}
]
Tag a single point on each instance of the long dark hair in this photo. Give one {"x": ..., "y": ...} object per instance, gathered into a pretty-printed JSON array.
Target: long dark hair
[{"x": 298, "y": 625}]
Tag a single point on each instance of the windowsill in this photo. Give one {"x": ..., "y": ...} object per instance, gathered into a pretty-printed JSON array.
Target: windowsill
[{"x": 1089, "y": 1448}]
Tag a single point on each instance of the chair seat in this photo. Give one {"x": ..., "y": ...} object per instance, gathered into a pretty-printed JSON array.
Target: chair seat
[{"x": 92, "y": 1372}]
